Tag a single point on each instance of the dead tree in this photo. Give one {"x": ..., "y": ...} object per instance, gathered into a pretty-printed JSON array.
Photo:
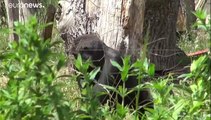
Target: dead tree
[
  {"x": 17, "y": 10},
  {"x": 123, "y": 25}
]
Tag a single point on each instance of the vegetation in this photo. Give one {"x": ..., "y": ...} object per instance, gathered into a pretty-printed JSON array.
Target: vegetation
[
  {"x": 198, "y": 38},
  {"x": 35, "y": 89}
]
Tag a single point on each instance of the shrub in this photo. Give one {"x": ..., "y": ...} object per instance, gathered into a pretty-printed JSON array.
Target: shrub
[{"x": 31, "y": 93}]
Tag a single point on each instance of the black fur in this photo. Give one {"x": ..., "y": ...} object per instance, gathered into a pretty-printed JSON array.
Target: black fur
[{"x": 90, "y": 47}]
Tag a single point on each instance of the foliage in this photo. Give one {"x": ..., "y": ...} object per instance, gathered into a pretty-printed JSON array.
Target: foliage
[
  {"x": 199, "y": 36},
  {"x": 189, "y": 100},
  {"x": 31, "y": 92},
  {"x": 89, "y": 104},
  {"x": 33, "y": 65},
  {"x": 201, "y": 22},
  {"x": 3, "y": 15},
  {"x": 3, "y": 38}
]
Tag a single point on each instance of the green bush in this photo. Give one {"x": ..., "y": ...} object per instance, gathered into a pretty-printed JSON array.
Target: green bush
[
  {"x": 31, "y": 92},
  {"x": 141, "y": 69},
  {"x": 188, "y": 100}
]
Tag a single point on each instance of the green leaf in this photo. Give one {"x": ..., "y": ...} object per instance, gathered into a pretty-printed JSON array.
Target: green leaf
[
  {"x": 124, "y": 74},
  {"x": 121, "y": 110},
  {"x": 146, "y": 65},
  {"x": 197, "y": 63},
  {"x": 196, "y": 107},
  {"x": 111, "y": 88},
  {"x": 61, "y": 62},
  {"x": 178, "y": 108},
  {"x": 203, "y": 27},
  {"x": 93, "y": 73},
  {"x": 200, "y": 14},
  {"x": 78, "y": 62},
  {"x": 122, "y": 91},
  {"x": 125, "y": 68},
  {"x": 151, "y": 70},
  {"x": 137, "y": 64},
  {"x": 8, "y": 95},
  {"x": 115, "y": 64},
  {"x": 193, "y": 66}
]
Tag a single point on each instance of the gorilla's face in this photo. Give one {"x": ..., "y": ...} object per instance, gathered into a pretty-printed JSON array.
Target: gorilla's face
[
  {"x": 90, "y": 47},
  {"x": 93, "y": 51}
]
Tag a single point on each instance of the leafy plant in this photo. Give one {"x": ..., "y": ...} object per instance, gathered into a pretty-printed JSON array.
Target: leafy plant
[
  {"x": 90, "y": 106},
  {"x": 31, "y": 91},
  {"x": 202, "y": 23},
  {"x": 140, "y": 69},
  {"x": 199, "y": 37}
]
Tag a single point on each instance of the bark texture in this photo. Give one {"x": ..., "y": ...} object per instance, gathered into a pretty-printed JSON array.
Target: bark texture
[
  {"x": 12, "y": 16},
  {"x": 160, "y": 28},
  {"x": 72, "y": 21},
  {"x": 2, "y": 14},
  {"x": 118, "y": 23},
  {"x": 47, "y": 32},
  {"x": 185, "y": 16},
  {"x": 28, "y": 11},
  {"x": 122, "y": 25},
  {"x": 17, "y": 11}
]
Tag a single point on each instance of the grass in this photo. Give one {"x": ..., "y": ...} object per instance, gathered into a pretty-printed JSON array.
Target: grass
[
  {"x": 4, "y": 40},
  {"x": 3, "y": 44},
  {"x": 196, "y": 41}
]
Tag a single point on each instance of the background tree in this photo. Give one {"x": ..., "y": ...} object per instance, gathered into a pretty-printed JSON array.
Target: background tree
[
  {"x": 16, "y": 12},
  {"x": 2, "y": 14},
  {"x": 123, "y": 25},
  {"x": 12, "y": 15},
  {"x": 160, "y": 22},
  {"x": 185, "y": 16},
  {"x": 21, "y": 10}
]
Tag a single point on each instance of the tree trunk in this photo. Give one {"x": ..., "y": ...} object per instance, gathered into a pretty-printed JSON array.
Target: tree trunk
[
  {"x": 121, "y": 24},
  {"x": 12, "y": 15},
  {"x": 185, "y": 16},
  {"x": 2, "y": 14},
  {"x": 160, "y": 22},
  {"x": 28, "y": 11},
  {"x": 50, "y": 14},
  {"x": 190, "y": 18},
  {"x": 17, "y": 11}
]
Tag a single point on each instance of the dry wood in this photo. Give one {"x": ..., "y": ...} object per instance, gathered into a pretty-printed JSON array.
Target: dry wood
[
  {"x": 123, "y": 24},
  {"x": 47, "y": 32}
]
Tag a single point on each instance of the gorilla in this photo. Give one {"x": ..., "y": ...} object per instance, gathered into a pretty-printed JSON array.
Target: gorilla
[{"x": 91, "y": 47}]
